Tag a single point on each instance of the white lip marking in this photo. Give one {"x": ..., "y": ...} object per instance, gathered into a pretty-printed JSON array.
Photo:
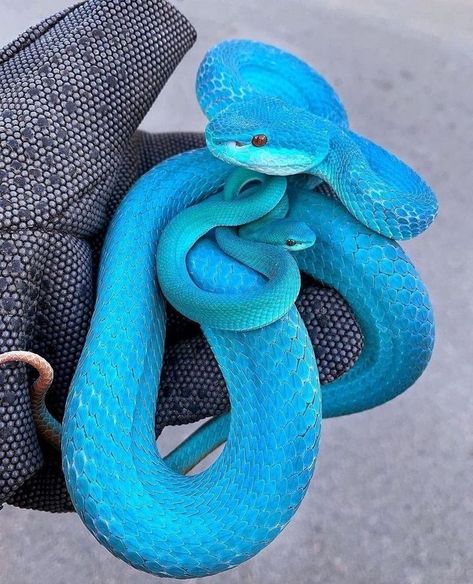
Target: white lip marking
[{"x": 236, "y": 144}]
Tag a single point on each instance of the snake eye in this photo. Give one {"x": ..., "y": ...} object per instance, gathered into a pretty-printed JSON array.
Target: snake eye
[
  {"x": 291, "y": 242},
  {"x": 259, "y": 140}
]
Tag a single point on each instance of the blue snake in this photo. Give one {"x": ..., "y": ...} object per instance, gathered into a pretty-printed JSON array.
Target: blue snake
[
  {"x": 269, "y": 113},
  {"x": 382, "y": 199}
]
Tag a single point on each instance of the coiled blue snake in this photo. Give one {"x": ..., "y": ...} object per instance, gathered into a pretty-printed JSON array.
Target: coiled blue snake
[{"x": 269, "y": 113}]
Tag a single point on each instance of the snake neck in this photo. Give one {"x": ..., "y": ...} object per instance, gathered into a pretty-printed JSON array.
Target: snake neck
[
  {"x": 265, "y": 258},
  {"x": 377, "y": 188},
  {"x": 251, "y": 230},
  {"x": 338, "y": 169}
]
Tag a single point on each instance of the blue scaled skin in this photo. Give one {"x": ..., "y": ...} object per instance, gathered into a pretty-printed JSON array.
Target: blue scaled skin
[
  {"x": 132, "y": 501},
  {"x": 251, "y": 90},
  {"x": 271, "y": 113}
]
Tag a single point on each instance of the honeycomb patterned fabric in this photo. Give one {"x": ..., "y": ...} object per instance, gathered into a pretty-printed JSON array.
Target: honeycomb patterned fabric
[{"x": 74, "y": 90}]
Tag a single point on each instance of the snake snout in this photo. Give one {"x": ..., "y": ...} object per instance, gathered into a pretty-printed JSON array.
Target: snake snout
[{"x": 303, "y": 238}]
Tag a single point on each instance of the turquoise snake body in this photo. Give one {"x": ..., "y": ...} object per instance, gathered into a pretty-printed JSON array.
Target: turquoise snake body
[
  {"x": 232, "y": 311},
  {"x": 131, "y": 500}
]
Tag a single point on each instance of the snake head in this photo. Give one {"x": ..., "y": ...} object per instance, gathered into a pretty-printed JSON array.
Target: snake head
[
  {"x": 290, "y": 234},
  {"x": 268, "y": 135},
  {"x": 294, "y": 235}
]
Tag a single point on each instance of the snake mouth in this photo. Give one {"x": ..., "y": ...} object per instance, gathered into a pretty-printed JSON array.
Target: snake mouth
[
  {"x": 227, "y": 141},
  {"x": 232, "y": 143}
]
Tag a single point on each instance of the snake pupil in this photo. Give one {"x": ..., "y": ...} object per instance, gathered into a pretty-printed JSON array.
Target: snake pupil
[
  {"x": 291, "y": 242},
  {"x": 259, "y": 140}
]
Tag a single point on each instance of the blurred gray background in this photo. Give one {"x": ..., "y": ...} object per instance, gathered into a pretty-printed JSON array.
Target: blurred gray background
[{"x": 392, "y": 499}]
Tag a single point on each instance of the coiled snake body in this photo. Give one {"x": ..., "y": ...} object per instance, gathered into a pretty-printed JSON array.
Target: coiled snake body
[
  {"x": 305, "y": 130},
  {"x": 270, "y": 113},
  {"x": 131, "y": 500}
]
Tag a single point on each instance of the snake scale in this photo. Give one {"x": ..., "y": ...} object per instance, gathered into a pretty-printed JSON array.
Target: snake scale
[{"x": 269, "y": 113}]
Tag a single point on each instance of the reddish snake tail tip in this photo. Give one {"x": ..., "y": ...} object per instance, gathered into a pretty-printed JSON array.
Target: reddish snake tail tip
[
  {"x": 44, "y": 369},
  {"x": 38, "y": 390}
]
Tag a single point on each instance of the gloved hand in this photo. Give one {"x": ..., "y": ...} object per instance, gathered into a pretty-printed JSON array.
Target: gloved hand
[{"x": 73, "y": 91}]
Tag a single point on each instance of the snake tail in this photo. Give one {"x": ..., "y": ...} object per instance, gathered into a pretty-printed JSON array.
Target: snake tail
[{"x": 48, "y": 427}]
